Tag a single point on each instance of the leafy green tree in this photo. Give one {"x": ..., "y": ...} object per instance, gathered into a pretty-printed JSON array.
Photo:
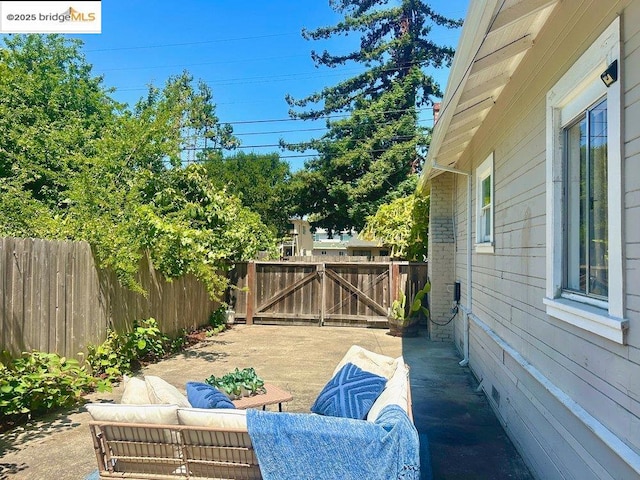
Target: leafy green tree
[
  {"x": 261, "y": 181},
  {"x": 196, "y": 130},
  {"x": 52, "y": 109},
  {"x": 74, "y": 164},
  {"x": 367, "y": 159},
  {"x": 401, "y": 225},
  {"x": 135, "y": 195}
]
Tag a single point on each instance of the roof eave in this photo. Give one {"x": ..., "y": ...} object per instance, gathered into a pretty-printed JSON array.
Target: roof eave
[
  {"x": 484, "y": 52},
  {"x": 476, "y": 24}
]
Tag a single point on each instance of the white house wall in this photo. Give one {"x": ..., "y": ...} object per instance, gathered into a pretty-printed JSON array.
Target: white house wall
[{"x": 569, "y": 399}]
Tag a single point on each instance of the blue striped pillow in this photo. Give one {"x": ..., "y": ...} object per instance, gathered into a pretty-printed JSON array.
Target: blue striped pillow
[{"x": 350, "y": 393}]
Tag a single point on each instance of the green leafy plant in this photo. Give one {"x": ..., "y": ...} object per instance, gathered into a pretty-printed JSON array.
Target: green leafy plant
[
  {"x": 179, "y": 342},
  {"x": 398, "y": 309},
  {"x": 111, "y": 359},
  {"x": 401, "y": 225},
  {"x": 217, "y": 320},
  {"x": 150, "y": 343},
  {"x": 238, "y": 383},
  {"x": 38, "y": 382},
  {"x": 121, "y": 354}
]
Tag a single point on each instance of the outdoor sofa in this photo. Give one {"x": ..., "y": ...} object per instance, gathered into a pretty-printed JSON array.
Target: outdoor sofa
[{"x": 171, "y": 440}]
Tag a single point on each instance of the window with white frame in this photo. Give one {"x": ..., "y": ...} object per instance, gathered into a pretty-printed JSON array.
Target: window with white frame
[
  {"x": 484, "y": 202},
  {"x": 587, "y": 250},
  {"x": 584, "y": 193}
]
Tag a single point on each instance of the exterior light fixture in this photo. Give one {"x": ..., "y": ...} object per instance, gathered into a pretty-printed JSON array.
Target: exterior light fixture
[{"x": 610, "y": 75}]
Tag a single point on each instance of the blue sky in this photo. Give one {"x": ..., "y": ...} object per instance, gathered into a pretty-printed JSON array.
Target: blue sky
[{"x": 251, "y": 53}]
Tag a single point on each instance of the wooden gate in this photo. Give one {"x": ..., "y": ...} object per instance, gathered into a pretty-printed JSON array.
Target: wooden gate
[{"x": 302, "y": 293}]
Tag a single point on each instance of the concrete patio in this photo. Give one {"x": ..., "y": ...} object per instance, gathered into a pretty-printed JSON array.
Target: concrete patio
[{"x": 465, "y": 440}]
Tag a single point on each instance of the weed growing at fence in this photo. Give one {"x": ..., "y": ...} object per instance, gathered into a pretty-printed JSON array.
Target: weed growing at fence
[
  {"x": 39, "y": 382},
  {"x": 217, "y": 321},
  {"x": 121, "y": 354}
]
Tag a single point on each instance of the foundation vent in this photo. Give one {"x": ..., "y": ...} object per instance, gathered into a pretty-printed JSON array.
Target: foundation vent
[{"x": 495, "y": 395}]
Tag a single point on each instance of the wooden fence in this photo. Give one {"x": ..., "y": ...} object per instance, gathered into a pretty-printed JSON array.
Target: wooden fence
[
  {"x": 55, "y": 299},
  {"x": 328, "y": 293},
  {"x": 337, "y": 258}
]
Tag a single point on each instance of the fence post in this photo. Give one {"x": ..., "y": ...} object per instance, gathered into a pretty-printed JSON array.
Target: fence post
[
  {"x": 251, "y": 293},
  {"x": 394, "y": 275},
  {"x": 320, "y": 268}
]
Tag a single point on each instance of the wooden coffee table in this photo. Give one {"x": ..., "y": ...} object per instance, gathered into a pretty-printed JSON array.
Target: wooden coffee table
[{"x": 272, "y": 396}]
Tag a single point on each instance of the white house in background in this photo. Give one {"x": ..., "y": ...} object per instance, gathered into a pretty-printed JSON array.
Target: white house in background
[
  {"x": 299, "y": 239},
  {"x": 534, "y": 178},
  {"x": 330, "y": 247},
  {"x": 366, "y": 248},
  {"x": 301, "y": 242},
  {"x": 345, "y": 244}
]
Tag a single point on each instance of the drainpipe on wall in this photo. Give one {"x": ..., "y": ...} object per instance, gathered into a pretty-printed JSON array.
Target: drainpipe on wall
[{"x": 466, "y": 310}]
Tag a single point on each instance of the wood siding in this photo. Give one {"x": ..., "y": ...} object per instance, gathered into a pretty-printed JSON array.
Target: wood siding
[
  {"x": 55, "y": 299},
  {"x": 597, "y": 436}
]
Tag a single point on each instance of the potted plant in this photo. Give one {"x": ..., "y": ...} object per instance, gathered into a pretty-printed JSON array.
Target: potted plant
[
  {"x": 239, "y": 383},
  {"x": 251, "y": 382},
  {"x": 403, "y": 323}
]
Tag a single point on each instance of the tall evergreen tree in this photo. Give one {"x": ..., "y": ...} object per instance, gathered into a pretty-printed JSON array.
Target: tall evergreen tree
[{"x": 367, "y": 158}]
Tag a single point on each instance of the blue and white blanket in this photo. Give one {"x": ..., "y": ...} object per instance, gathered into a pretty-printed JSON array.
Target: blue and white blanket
[{"x": 300, "y": 446}]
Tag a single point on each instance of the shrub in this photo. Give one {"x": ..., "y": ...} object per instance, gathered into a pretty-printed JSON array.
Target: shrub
[
  {"x": 121, "y": 354},
  {"x": 218, "y": 320},
  {"x": 38, "y": 382},
  {"x": 112, "y": 358}
]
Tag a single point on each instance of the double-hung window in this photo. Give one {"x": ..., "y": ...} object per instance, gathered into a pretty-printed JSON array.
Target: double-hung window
[
  {"x": 484, "y": 200},
  {"x": 584, "y": 193}
]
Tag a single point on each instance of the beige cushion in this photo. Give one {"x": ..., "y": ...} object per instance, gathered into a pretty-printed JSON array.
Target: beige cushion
[
  {"x": 213, "y": 417},
  {"x": 145, "y": 414},
  {"x": 135, "y": 392},
  {"x": 395, "y": 392},
  {"x": 369, "y": 362},
  {"x": 112, "y": 412},
  {"x": 162, "y": 392}
]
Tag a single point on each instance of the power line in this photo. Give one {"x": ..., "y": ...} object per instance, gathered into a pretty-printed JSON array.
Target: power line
[
  {"x": 246, "y": 61},
  {"x": 303, "y": 155},
  {"x": 207, "y": 42},
  {"x": 308, "y": 129},
  {"x": 384, "y": 112},
  {"x": 309, "y": 155},
  {"x": 184, "y": 44},
  {"x": 182, "y": 65},
  {"x": 240, "y": 81},
  {"x": 264, "y": 78},
  {"x": 281, "y": 131},
  {"x": 300, "y": 144}
]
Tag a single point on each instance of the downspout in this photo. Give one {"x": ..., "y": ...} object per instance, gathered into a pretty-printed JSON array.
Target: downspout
[{"x": 466, "y": 310}]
